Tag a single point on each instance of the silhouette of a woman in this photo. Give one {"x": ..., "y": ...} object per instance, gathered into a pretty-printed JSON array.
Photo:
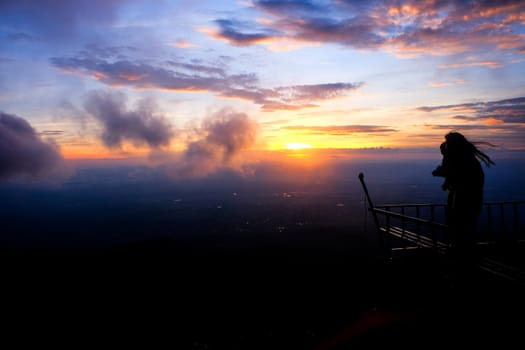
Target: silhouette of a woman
[{"x": 464, "y": 179}]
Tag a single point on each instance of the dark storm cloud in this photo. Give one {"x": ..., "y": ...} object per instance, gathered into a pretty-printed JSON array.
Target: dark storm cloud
[
  {"x": 510, "y": 111},
  {"x": 342, "y": 130},
  {"x": 406, "y": 27},
  {"x": 193, "y": 76},
  {"x": 23, "y": 152},
  {"x": 140, "y": 126},
  {"x": 221, "y": 139}
]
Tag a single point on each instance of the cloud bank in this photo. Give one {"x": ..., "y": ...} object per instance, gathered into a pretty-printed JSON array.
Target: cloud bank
[{"x": 23, "y": 152}]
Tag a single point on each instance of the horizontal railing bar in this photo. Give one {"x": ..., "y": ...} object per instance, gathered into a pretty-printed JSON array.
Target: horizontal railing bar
[
  {"x": 408, "y": 218},
  {"x": 503, "y": 202},
  {"x": 440, "y": 247},
  {"x": 509, "y": 272},
  {"x": 410, "y": 205},
  {"x": 398, "y": 205},
  {"x": 415, "y": 238}
]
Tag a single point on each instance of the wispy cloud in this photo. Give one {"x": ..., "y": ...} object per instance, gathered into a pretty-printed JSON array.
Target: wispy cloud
[
  {"x": 51, "y": 133},
  {"x": 507, "y": 111},
  {"x": 182, "y": 44},
  {"x": 501, "y": 122},
  {"x": 240, "y": 34},
  {"x": 439, "y": 84},
  {"x": 342, "y": 130},
  {"x": 193, "y": 76},
  {"x": 509, "y": 136},
  {"x": 489, "y": 64},
  {"x": 463, "y": 127},
  {"x": 299, "y": 96},
  {"x": 20, "y": 36}
]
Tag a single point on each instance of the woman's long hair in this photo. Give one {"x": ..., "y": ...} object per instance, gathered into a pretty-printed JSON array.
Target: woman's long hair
[{"x": 457, "y": 144}]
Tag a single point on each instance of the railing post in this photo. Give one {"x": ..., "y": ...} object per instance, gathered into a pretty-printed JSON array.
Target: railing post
[
  {"x": 388, "y": 236},
  {"x": 370, "y": 203},
  {"x": 489, "y": 222},
  {"x": 432, "y": 231},
  {"x": 516, "y": 217},
  {"x": 385, "y": 245},
  {"x": 502, "y": 217},
  {"x": 403, "y": 227}
]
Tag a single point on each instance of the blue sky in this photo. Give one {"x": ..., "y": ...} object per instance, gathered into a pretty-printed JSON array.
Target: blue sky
[{"x": 211, "y": 80}]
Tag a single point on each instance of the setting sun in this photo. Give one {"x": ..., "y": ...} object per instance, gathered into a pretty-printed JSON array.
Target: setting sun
[{"x": 297, "y": 145}]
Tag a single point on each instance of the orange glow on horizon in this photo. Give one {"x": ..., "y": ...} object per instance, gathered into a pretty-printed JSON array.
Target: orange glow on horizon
[{"x": 297, "y": 145}]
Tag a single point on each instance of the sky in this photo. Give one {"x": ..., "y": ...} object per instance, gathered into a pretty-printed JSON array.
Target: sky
[{"x": 203, "y": 85}]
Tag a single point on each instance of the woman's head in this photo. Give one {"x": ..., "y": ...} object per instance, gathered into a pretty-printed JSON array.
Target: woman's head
[{"x": 457, "y": 145}]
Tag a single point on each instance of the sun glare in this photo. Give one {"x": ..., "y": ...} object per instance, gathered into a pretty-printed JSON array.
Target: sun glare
[{"x": 297, "y": 145}]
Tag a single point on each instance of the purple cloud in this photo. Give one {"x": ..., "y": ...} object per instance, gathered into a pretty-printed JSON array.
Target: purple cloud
[
  {"x": 407, "y": 27},
  {"x": 232, "y": 32},
  {"x": 504, "y": 135},
  {"x": 140, "y": 126},
  {"x": 139, "y": 75},
  {"x": 342, "y": 130},
  {"x": 502, "y": 121},
  {"x": 181, "y": 76},
  {"x": 23, "y": 152},
  {"x": 315, "y": 91},
  {"x": 505, "y": 111},
  {"x": 221, "y": 140},
  {"x": 289, "y": 6}
]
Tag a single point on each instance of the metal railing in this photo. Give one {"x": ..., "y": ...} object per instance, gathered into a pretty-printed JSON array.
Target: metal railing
[
  {"x": 409, "y": 226},
  {"x": 412, "y": 228},
  {"x": 423, "y": 224},
  {"x": 499, "y": 221}
]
